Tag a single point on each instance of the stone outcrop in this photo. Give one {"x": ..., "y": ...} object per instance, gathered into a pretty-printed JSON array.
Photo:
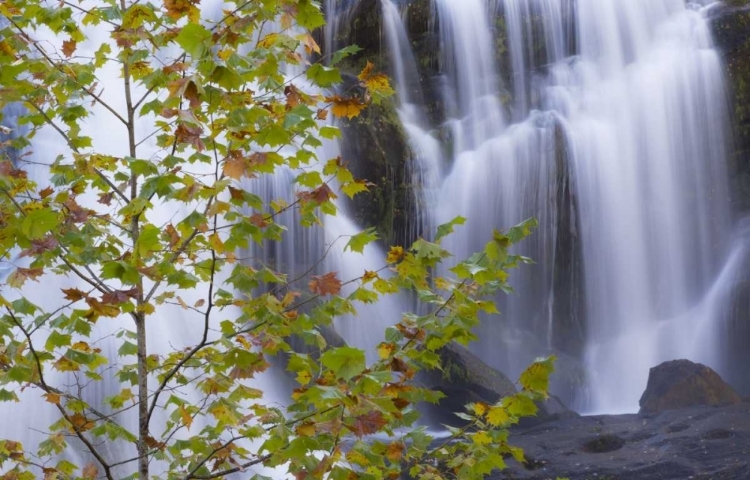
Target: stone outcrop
[
  {"x": 681, "y": 384},
  {"x": 464, "y": 378}
]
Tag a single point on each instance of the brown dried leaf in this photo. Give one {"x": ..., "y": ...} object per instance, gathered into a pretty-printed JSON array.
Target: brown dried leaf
[
  {"x": 73, "y": 294},
  {"x": 81, "y": 423},
  {"x": 69, "y": 48},
  {"x": 46, "y": 192},
  {"x": 190, "y": 134},
  {"x": 368, "y": 424},
  {"x": 326, "y": 284},
  {"x": 323, "y": 194}
]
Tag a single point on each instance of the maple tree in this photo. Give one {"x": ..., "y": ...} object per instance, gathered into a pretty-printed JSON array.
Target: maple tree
[{"x": 145, "y": 207}]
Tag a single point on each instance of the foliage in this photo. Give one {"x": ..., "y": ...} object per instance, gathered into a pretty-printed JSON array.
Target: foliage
[{"x": 129, "y": 224}]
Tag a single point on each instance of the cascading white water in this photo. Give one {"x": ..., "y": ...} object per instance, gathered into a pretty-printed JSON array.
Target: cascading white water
[{"x": 618, "y": 148}]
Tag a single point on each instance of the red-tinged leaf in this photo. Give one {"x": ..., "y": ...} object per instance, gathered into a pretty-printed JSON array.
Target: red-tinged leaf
[
  {"x": 106, "y": 198},
  {"x": 73, "y": 294},
  {"x": 259, "y": 220},
  {"x": 367, "y": 424},
  {"x": 327, "y": 284},
  {"x": 236, "y": 193},
  {"x": 40, "y": 246},
  {"x": 321, "y": 114},
  {"x": 190, "y": 134},
  {"x": 199, "y": 303},
  {"x": 19, "y": 277},
  {"x": 69, "y": 48},
  {"x": 323, "y": 194},
  {"x": 7, "y": 169},
  {"x": 119, "y": 296}
]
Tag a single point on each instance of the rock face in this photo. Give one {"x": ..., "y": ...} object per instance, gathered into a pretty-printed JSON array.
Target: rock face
[
  {"x": 681, "y": 384},
  {"x": 731, "y": 29}
]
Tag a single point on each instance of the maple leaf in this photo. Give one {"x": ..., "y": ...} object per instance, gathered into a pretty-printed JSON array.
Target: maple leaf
[
  {"x": 64, "y": 364},
  {"x": 293, "y": 96},
  {"x": 106, "y": 198},
  {"x": 190, "y": 134},
  {"x": 73, "y": 294},
  {"x": 395, "y": 254},
  {"x": 19, "y": 277},
  {"x": 80, "y": 423},
  {"x": 306, "y": 429},
  {"x": 395, "y": 451},
  {"x": 119, "y": 296},
  {"x": 326, "y": 284},
  {"x": 102, "y": 309},
  {"x": 348, "y": 107},
  {"x": 39, "y": 246},
  {"x": 235, "y": 168},
  {"x": 46, "y": 192},
  {"x": 176, "y": 9},
  {"x": 174, "y": 237},
  {"x": 323, "y": 194},
  {"x": 52, "y": 397},
  {"x": 7, "y": 169},
  {"x": 258, "y": 220},
  {"x": 69, "y": 48},
  {"x": 497, "y": 416},
  {"x": 187, "y": 419},
  {"x": 185, "y": 87},
  {"x": 377, "y": 84},
  {"x": 368, "y": 424}
]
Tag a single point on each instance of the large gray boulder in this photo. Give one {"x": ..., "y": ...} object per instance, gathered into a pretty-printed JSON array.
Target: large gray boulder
[{"x": 682, "y": 384}]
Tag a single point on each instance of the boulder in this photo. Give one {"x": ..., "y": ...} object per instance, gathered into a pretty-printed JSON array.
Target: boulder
[
  {"x": 465, "y": 379},
  {"x": 682, "y": 384}
]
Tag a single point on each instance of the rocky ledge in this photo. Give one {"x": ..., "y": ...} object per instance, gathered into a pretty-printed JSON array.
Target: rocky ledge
[
  {"x": 691, "y": 425},
  {"x": 698, "y": 443}
]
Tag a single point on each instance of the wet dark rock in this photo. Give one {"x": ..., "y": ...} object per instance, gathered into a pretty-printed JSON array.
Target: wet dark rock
[
  {"x": 731, "y": 29},
  {"x": 681, "y": 384},
  {"x": 702, "y": 443},
  {"x": 466, "y": 379},
  {"x": 603, "y": 444},
  {"x": 376, "y": 148}
]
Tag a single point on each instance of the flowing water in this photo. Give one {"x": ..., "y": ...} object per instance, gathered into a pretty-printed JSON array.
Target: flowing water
[{"x": 606, "y": 120}]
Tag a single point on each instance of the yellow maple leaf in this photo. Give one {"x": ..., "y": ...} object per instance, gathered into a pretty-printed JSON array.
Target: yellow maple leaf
[{"x": 497, "y": 416}]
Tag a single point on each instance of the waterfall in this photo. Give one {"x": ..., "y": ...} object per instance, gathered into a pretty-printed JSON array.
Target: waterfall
[{"x": 606, "y": 120}]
